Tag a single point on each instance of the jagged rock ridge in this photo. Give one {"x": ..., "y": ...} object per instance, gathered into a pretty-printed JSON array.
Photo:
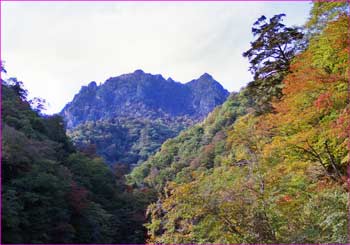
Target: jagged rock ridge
[
  {"x": 128, "y": 117},
  {"x": 143, "y": 95}
]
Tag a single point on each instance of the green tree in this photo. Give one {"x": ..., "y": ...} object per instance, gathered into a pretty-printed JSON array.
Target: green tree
[{"x": 270, "y": 56}]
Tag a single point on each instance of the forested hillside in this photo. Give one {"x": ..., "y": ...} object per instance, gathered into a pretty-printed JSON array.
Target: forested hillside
[
  {"x": 127, "y": 118},
  {"x": 52, "y": 193},
  {"x": 270, "y": 164}
]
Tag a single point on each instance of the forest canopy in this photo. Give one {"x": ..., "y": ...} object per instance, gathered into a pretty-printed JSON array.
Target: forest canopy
[{"x": 270, "y": 165}]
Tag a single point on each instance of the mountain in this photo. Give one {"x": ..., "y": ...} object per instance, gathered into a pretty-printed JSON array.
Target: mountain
[
  {"x": 128, "y": 117},
  {"x": 268, "y": 166},
  {"x": 143, "y": 95}
]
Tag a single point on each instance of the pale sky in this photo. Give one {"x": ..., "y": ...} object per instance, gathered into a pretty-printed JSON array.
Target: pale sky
[{"x": 57, "y": 47}]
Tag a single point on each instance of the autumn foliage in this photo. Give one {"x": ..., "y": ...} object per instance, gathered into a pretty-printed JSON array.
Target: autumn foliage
[{"x": 276, "y": 177}]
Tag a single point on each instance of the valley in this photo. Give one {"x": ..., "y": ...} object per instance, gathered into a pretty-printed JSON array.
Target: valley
[{"x": 140, "y": 159}]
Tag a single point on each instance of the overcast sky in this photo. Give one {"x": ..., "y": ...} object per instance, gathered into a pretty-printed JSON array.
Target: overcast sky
[{"x": 57, "y": 47}]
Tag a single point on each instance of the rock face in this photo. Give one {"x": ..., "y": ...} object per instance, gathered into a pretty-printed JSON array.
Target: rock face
[
  {"x": 146, "y": 96},
  {"x": 128, "y": 117}
]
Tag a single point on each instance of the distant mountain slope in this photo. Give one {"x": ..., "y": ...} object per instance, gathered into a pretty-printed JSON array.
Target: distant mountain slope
[
  {"x": 128, "y": 117},
  {"x": 143, "y": 95}
]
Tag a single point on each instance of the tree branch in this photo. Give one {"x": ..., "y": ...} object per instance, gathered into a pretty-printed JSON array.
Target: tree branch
[{"x": 331, "y": 159}]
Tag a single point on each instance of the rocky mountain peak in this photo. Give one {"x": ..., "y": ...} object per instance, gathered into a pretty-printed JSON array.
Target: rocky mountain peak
[
  {"x": 206, "y": 76},
  {"x": 144, "y": 95}
]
